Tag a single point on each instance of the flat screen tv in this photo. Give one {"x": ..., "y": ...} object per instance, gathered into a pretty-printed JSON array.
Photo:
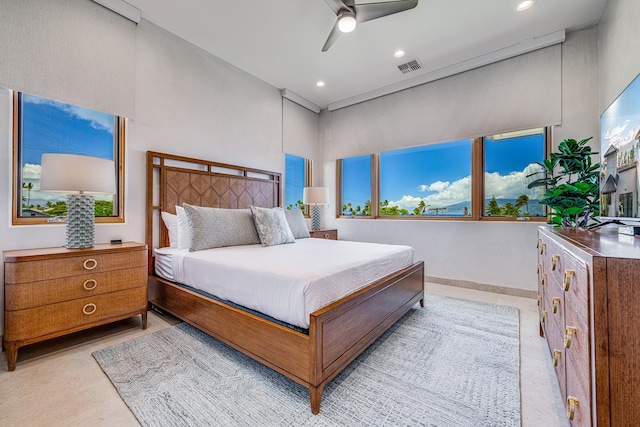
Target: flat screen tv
[{"x": 619, "y": 151}]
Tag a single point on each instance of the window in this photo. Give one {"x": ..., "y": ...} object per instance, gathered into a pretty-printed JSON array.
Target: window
[
  {"x": 471, "y": 179},
  {"x": 510, "y": 165},
  {"x": 355, "y": 192},
  {"x": 43, "y": 125},
  {"x": 297, "y": 176},
  {"x": 432, "y": 180}
]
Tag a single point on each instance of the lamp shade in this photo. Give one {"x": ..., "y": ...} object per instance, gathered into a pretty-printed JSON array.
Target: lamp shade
[
  {"x": 72, "y": 173},
  {"x": 315, "y": 196}
]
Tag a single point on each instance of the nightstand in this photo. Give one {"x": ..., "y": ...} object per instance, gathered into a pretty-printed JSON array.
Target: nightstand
[
  {"x": 328, "y": 233},
  {"x": 51, "y": 292}
]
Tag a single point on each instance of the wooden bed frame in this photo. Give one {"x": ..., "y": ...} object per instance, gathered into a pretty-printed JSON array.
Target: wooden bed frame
[{"x": 338, "y": 333}]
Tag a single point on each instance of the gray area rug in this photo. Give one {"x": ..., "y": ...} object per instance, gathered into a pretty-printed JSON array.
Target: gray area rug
[{"x": 453, "y": 363}]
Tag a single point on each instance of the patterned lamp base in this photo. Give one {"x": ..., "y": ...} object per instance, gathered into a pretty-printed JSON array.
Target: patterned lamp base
[
  {"x": 315, "y": 217},
  {"x": 80, "y": 221}
]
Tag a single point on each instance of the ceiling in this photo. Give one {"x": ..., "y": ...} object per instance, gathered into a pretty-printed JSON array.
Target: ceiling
[{"x": 279, "y": 41}]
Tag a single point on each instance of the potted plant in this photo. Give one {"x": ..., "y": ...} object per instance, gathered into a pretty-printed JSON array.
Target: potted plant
[{"x": 572, "y": 185}]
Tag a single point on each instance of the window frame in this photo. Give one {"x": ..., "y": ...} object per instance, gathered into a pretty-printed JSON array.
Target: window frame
[
  {"x": 477, "y": 189},
  {"x": 16, "y": 185}
]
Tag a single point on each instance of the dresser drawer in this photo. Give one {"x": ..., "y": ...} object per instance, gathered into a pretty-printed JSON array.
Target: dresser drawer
[
  {"x": 324, "y": 234},
  {"x": 558, "y": 355},
  {"x": 48, "y": 319},
  {"x": 553, "y": 258},
  {"x": 37, "y": 270},
  {"x": 575, "y": 281},
  {"x": 554, "y": 306},
  {"x": 35, "y": 294},
  {"x": 578, "y": 366}
]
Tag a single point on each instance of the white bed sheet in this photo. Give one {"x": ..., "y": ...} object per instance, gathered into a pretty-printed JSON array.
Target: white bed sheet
[{"x": 287, "y": 282}]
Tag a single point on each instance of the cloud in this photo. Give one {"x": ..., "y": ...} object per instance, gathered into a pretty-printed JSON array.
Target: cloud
[
  {"x": 509, "y": 186},
  {"x": 437, "y": 186},
  {"x": 30, "y": 172},
  {"x": 96, "y": 119},
  {"x": 445, "y": 194}
]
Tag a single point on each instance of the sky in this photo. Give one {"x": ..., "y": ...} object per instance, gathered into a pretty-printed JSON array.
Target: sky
[
  {"x": 54, "y": 127},
  {"x": 294, "y": 179},
  {"x": 440, "y": 174}
]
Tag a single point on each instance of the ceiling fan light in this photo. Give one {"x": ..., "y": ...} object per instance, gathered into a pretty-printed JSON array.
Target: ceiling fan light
[{"x": 347, "y": 21}]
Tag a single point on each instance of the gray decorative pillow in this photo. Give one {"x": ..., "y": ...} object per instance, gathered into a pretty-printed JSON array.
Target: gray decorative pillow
[
  {"x": 297, "y": 224},
  {"x": 272, "y": 226},
  {"x": 214, "y": 227}
]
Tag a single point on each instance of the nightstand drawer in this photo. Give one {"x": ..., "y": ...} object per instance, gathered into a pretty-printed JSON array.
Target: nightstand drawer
[
  {"x": 37, "y": 270},
  {"x": 324, "y": 234},
  {"x": 34, "y": 294},
  {"x": 48, "y": 319}
]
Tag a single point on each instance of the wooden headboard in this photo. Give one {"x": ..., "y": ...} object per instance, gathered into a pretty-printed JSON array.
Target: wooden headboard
[{"x": 173, "y": 180}]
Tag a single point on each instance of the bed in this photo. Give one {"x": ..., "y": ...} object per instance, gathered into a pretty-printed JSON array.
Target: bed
[{"x": 336, "y": 334}]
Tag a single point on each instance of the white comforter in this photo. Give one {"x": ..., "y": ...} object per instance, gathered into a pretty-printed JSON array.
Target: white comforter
[{"x": 288, "y": 282}]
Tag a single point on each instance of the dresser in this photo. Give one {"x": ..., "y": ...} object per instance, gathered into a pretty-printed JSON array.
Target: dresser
[
  {"x": 328, "y": 233},
  {"x": 51, "y": 292},
  {"x": 589, "y": 307}
]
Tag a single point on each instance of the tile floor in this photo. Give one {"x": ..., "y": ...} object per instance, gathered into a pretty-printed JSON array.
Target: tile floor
[{"x": 58, "y": 383}]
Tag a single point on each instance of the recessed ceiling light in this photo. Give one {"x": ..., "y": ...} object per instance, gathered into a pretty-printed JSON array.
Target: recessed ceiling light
[
  {"x": 524, "y": 5},
  {"x": 399, "y": 53},
  {"x": 320, "y": 84}
]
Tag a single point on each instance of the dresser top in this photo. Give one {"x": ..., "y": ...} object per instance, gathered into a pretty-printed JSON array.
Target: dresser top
[
  {"x": 605, "y": 242},
  {"x": 61, "y": 251}
]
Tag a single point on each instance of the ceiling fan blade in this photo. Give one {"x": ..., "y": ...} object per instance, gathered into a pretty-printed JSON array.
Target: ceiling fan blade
[
  {"x": 336, "y": 5},
  {"x": 368, "y": 11},
  {"x": 333, "y": 36}
]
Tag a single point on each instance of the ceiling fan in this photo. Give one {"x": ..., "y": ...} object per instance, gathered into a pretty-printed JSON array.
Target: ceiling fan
[{"x": 349, "y": 14}]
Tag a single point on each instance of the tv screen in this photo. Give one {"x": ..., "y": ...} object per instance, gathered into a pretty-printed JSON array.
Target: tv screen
[{"x": 619, "y": 139}]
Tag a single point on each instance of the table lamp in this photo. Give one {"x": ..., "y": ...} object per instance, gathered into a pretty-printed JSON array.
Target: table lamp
[
  {"x": 315, "y": 197},
  {"x": 80, "y": 177}
]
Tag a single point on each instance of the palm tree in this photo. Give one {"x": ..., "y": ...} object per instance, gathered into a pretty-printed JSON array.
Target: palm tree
[
  {"x": 523, "y": 200},
  {"x": 28, "y": 186},
  {"x": 493, "y": 208},
  {"x": 422, "y": 207}
]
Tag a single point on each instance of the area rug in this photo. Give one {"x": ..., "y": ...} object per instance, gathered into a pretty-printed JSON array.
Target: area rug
[{"x": 453, "y": 363}]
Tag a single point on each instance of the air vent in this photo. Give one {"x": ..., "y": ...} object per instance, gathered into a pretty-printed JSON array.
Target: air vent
[{"x": 408, "y": 67}]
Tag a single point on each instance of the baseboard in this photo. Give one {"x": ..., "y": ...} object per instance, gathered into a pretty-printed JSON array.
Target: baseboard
[{"x": 482, "y": 287}]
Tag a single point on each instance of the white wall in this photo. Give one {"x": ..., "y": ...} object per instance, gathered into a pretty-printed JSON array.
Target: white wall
[
  {"x": 618, "y": 47},
  {"x": 187, "y": 102},
  {"x": 494, "y": 253}
]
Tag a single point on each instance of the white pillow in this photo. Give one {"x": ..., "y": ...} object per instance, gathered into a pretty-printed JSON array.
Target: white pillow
[
  {"x": 216, "y": 227},
  {"x": 171, "y": 222},
  {"x": 184, "y": 236},
  {"x": 296, "y": 222},
  {"x": 272, "y": 226}
]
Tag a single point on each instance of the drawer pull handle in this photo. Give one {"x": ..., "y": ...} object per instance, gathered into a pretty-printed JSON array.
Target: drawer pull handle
[
  {"x": 89, "y": 308},
  {"x": 544, "y": 279},
  {"x": 544, "y": 316},
  {"x": 556, "y": 357},
  {"x": 554, "y": 305},
  {"x": 326, "y": 235},
  {"x": 554, "y": 261},
  {"x": 87, "y": 284},
  {"x": 538, "y": 269},
  {"x": 542, "y": 248},
  {"x": 90, "y": 264},
  {"x": 568, "y": 334},
  {"x": 572, "y": 402},
  {"x": 566, "y": 281},
  {"x": 539, "y": 300},
  {"x": 538, "y": 243}
]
